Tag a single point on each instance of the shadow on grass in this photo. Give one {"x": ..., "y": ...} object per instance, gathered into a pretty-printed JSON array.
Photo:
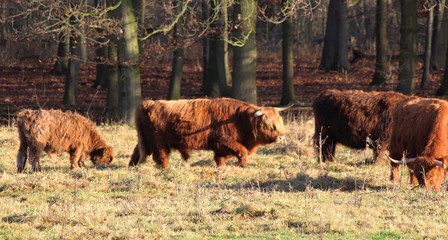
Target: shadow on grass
[
  {"x": 302, "y": 182},
  {"x": 102, "y": 167},
  {"x": 68, "y": 169},
  {"x": 18, "y": 218}
]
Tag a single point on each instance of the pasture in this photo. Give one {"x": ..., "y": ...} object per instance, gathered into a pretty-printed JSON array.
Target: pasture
[{"x": 282, "y": 194}]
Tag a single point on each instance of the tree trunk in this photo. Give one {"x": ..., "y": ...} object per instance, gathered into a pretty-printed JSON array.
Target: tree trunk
[
  {"x": 427, "y": 57},
  {"x": 218, "y": 65},
  {"x": 444, "y": 86},
  {"x": 130, "y": 92},
  {"x": 61, "y": 65},
  {"x": 288, "y": 95},
  {"x": 439, "y": 37},
  {"x": 178, "y": 59},
  {"x": 205, "y": 50},
  {"x": 382, "y": 72},
  {"x": 83, "y": 46},
  {"x": 176, "y": 74},
  {"x": 408, "y": 47},
  {"x": 71, "y": 77},
  {"x": 334, "y": 54},
  {"x": 112, "y": 80},
  {"x": 245, "y": 57},
  {"x": 101, "y": 65}
]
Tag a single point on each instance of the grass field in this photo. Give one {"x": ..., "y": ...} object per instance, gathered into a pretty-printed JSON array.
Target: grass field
[{"x": 283, "y": 194}]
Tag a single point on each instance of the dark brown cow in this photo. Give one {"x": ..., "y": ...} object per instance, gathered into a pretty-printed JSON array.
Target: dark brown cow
[
  {"x": 352, "y": 117},
  {"x": 420, "y": 133},
  {"x": 226, "y": 126},
  {"x": 54, "y": 131}
]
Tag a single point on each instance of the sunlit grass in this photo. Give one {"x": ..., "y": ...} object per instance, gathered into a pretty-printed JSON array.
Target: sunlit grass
[{"x": 283, "y": 194}]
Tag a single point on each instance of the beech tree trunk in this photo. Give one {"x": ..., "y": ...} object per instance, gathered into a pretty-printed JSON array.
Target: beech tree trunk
[
  {"x": 427, "y": 57},
  {"x": 178, "y": 59},
  {"x": 439, "y": 37},
  {"x": 218, "y": 67},
  {"x": 334, "y": 54},
  {"x": 205, "y": 50},
  {"x": 288, "y": 95},
  {"x": 61, "y": 64},
  {"x": 130, "y": 92},
  {"x": 408, "y": 47},
  {"x": 71, "y": 77},
  {"x": 101, "y": 65},
  {"x": 113, "y": 78},
  {"x": 382, "y": 72},
  {"x": 245, "y": 58}
]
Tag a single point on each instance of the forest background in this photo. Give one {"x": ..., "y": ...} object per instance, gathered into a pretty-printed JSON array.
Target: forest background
[{"x": 100, "y": 58}]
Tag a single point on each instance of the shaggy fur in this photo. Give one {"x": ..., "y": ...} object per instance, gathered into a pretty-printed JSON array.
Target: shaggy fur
[
  {"x": 54, "y": 131},
  {"x": 420, "y": 129},
  {"x": 350, "y": 118},
  {"x": 226, "y": 126}
]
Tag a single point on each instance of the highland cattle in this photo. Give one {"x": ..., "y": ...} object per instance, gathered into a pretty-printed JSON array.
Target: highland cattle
[
  {"x": 54, "y": 131},
  {"x": 420, "y": 137},
  {"x": 353, "y": 118},
  {"x": 226, "y": 126}
]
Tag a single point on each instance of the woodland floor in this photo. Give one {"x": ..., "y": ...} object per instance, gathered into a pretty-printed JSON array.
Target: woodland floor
[{"x": 32, "y": 86}]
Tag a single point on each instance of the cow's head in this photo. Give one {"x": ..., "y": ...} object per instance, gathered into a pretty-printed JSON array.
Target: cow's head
[
  {"x": 102, "y": 155},
  {"x": 269, "y": 124},
  {"x": 429, "y": 171}
]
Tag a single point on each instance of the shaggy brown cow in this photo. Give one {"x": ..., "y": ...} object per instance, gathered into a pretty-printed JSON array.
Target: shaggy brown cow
[
  {"x": 420, "y": 132},
  {"x": 226, "y": 126},
  {"x": 351, "y": 118},
  {"x": 54, "y": 131}
]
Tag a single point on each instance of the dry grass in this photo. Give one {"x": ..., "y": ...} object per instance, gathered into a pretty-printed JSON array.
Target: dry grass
[{"x": 283, "y": 194}]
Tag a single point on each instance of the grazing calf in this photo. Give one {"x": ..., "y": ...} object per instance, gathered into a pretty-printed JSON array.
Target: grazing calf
[
  {"x": 420, "y": 133},
  {"x": 352, "y": 117},
  {"x": 54, "y": 131},
  {"x": 226, "y": 126}
]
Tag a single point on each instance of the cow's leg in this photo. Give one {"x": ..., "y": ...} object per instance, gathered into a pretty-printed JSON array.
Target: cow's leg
[
  {"x": 394, "y": 174},
  {"x": 328, "y": 149},
  {"x": 377, "y": 152},
  {"x": 22, "y": 156},
  {"x": 82, "y": 164},
  {"x": 135, "y": 158},
  {"x": 34, "y": 156},
  {"x": 75, "y": 155},
  {"x": 241, "y": 152},
  {"x": 220, "y": 159},
  {"x": 161, "y": 157},
  {"x": 236, "y": 148},
  {"x": 413, "y": 178},
  {"x": 184, "y": 153}
]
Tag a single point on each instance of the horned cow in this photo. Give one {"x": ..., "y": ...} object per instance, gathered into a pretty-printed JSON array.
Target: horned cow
[
  {"x": 226, "y": 126},
  {"x": 420, "y": 133},
  {"x": 54, "y": 131},
  {"x": 350, "y": 118}
]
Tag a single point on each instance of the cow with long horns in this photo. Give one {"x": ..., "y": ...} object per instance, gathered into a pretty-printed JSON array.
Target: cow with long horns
[
  {"x": 420, "y": 135},
  {"x": 351, "y": 118},
  {"x": 228, "y": 127}
]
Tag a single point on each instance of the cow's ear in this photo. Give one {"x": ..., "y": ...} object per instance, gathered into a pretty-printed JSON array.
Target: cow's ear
[{"x": 258, "y": 113}]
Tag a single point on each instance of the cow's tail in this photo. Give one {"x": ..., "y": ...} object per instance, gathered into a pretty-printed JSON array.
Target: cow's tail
[
  {"x": 22, "y": 154},
  {"x": 142, "y": 149}
]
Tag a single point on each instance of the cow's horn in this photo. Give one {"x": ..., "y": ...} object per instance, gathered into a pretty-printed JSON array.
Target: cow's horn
[
  {"x": 284, "y": 108},
  {"x": 258, "y": 113},
  {"x": 439, "y": 163},
  {"x": 400, "y": 161}
]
